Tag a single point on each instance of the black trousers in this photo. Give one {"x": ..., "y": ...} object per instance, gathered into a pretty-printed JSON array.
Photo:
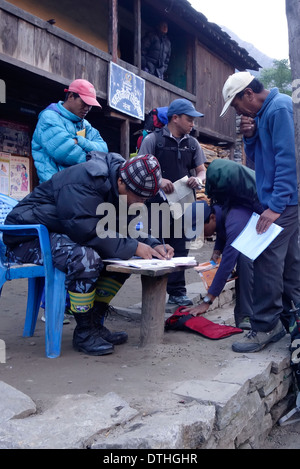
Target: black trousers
[{"x": 276, "y": 280}]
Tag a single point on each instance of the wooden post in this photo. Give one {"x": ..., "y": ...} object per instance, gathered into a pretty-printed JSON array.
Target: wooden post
[
  {"x": 113, "y": 33},
  {"x": 153, "y": 309},
  {"x": 125, "y": 138},
  {"x": 293, "y": 14},
  {"x": 137, "y": 34}
]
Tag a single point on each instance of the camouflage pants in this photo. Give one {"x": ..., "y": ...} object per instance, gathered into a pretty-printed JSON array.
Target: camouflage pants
[{"x": 81, "y": 264}]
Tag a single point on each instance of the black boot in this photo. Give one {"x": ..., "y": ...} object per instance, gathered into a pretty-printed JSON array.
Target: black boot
[
  {"x": 87, "y": 339},
  {"x": 99, "y": 311}
]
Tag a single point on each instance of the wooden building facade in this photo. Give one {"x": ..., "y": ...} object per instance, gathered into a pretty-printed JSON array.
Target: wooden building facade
[{"x": 46, "y": 44}]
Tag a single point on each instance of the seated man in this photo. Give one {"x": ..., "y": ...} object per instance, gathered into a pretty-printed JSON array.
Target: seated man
[
  {"x": 228, "y": 226},
  {"x": 73, "y": 205}
]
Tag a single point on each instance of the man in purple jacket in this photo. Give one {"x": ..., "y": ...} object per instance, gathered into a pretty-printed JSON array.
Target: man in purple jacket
[{"x": 227, "y": 227}]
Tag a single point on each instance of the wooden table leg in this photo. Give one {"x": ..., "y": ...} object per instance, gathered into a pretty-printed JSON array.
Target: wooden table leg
[{"x": 153, "y": 309}]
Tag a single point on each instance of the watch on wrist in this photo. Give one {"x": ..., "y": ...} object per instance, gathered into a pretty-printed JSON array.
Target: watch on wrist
[
  {"x": 207, "y": 300},
  {"x": 199, "y": 182}
]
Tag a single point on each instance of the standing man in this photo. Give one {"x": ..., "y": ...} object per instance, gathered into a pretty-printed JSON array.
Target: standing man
[
  {"x": 178, "y": 154},
  {"x": 268, "y": 128},
  {"x": 63, "y": 136}
]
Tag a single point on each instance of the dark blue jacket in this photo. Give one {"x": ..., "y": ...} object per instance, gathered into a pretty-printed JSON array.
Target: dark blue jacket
[{"x": 272, "y": 148}]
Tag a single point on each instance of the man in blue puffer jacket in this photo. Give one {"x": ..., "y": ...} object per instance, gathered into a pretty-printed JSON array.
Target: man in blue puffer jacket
[{"x": 63, "y": 136}]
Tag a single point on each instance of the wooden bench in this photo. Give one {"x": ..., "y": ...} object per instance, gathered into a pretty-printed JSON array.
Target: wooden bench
[{"x": 154, "y": 288}]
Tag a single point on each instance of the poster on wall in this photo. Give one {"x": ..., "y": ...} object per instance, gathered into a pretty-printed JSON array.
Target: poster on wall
[
  {"x": 4, "y": 173},
  {"x": 14, "y": 138},
  {"x": 126, "y": 91},
  {"x": 19, "y": 177}
]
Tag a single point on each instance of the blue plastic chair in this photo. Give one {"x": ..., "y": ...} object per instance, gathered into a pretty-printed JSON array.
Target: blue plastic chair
[{"x": 38, "y": 277}]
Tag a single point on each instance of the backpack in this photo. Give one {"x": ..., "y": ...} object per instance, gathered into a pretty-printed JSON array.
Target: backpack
[
  {"x": 183, "y": 321},
  {"x": 155, "y": 119},
  {"x": 229, "y": 183}
]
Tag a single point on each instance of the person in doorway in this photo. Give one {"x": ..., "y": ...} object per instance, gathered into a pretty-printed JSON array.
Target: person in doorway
[
  {"x": 63, "y": 137},
  {"x": 268, "y": 129},
  {"x": 156, "y": 51},
  {"x": 179, "y": 154},
  {"x": 227, "y": 226},
  {"x": 79, "y": 242}
]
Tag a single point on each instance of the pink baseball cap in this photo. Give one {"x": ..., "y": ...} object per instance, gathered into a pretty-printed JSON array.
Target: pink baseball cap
[{"x": 86, "y": 91}]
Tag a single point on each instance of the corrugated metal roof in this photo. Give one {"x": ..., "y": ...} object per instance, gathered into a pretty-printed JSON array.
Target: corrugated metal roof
[{"x": 210, "y": 34}]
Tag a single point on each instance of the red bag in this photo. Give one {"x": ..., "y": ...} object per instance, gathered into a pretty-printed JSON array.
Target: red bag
[{"x": 180, "y": 321}]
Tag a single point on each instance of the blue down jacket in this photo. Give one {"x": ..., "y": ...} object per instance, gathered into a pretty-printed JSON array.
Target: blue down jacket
[
  {"x": 70, "y": 203},
  {"x": 53, "y": 145}
]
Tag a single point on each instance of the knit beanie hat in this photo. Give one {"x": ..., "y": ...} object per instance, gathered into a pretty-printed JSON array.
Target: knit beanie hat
[{"x": 142, "y": 175}]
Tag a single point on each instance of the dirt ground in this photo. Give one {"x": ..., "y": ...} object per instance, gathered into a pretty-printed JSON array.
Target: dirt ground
[{"x": 137, "y": 374}]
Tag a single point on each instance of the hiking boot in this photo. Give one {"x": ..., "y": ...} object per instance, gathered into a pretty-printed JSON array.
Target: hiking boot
[
  {"x": 99, "y": 312},
  {"x": 256, "y": 341},
  {"x": 115, "y": 338},
  {"x": 179, "y": 300},
  {"x": 87, "y": 339}
]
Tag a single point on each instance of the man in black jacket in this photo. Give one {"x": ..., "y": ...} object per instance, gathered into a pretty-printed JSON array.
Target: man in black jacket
[
  {"x": 82, "y": 208},
  {"x": 156, "y": 51}
]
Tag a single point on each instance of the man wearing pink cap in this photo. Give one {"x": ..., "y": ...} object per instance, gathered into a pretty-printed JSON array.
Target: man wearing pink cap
[{"x": 63, "y": 136}]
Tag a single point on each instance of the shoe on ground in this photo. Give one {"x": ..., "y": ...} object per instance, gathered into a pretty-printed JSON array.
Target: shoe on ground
[
  {"x": 88, "y": 341},
  {"x": 115, "y": 338},
  {"x": 69, "y": 313},
  {"x": 245, "y": 324},
  {"x": 179, "y": 300},
  {"x": 256, "y": 341},
  {"x": 65, "y": 321}
]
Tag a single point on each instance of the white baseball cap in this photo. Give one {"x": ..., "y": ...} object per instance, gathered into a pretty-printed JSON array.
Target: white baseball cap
[{"x": 233, "y": 85}]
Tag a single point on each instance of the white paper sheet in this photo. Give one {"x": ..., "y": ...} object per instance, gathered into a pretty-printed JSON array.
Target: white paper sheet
[
  {"x": 182, "y": 194},
  {"x": 153, "y": 263},
  {"x": 252, "y": 244}
]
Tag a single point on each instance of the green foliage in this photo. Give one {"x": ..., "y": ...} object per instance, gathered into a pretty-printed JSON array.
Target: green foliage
[{"x": 279, "y": 75}]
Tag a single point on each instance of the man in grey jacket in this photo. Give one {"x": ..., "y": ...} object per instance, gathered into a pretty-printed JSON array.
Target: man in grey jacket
[{"x": 73, "y": 205}]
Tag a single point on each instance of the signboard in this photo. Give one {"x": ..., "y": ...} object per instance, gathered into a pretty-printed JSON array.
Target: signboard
[{"x": 126, "y": 91}]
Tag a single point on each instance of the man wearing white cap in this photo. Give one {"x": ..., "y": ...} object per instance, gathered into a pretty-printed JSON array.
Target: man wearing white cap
[
  {"x": 63, "y": 136},
  {"x": 268, "y": 128}
]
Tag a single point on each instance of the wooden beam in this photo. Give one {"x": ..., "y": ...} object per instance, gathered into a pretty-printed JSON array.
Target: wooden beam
[
  {"x": 137, "y": 34},
  {"x": 125, "y": 138},
  {"x": 113, "y": 36}
]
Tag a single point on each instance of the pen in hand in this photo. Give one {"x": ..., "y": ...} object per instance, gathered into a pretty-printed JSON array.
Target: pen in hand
[{"x": 164, "y": 245}]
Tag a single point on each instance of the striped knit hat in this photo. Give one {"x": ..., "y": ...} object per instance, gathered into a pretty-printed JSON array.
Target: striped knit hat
[{"x": 142, "y": 175}]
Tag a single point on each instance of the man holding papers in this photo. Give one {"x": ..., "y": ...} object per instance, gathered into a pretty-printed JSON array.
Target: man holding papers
[
  {"x": 268, "y": 128},
  {"x": 179, "y": 155}
]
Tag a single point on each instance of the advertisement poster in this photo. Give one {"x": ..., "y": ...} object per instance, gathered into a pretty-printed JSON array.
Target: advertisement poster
[
  {"x": 4, "y": 173},
  {"x": 19, "y": 177},
  {"x": 14, "y": 138}
]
